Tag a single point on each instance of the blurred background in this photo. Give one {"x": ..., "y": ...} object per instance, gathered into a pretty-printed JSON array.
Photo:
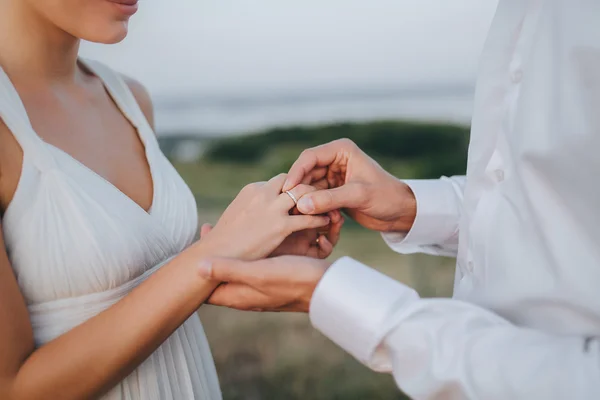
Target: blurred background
[{"x": 240, "y": 88}]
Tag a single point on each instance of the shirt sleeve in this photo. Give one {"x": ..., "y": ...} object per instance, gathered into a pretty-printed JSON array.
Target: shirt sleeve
[
  {"x": 448, "y": 349},
  {"x": 439, "y": 208}
]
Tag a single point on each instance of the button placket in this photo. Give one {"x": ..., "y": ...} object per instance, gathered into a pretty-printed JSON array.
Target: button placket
[{"x": 523, "y": 43}]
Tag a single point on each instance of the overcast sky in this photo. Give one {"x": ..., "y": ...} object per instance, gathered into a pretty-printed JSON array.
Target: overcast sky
[{"x": 221, "y": 46}]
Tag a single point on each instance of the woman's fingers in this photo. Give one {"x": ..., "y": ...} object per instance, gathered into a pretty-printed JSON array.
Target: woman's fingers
[
  {"x": 275, "y": 184},
  {"x": 335, "y": 216},
  {"x": 286, "y": 200},
  {"x": 327, "y": 239},
  {"x": 335, "y": 228},
  {"x": 325, "y": 247},
  {"x": 321, "y": 248},
  {"x": 205, "y": 230},
  {"x": 297, "y": 223}
]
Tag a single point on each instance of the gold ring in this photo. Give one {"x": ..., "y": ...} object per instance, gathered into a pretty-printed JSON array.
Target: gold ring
[{"x": 289, "y": 193}]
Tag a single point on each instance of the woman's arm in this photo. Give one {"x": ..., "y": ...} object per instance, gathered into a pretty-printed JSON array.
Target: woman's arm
[
  {"x": 90, "y": 359},
  {"x": 96, "y": 355}
]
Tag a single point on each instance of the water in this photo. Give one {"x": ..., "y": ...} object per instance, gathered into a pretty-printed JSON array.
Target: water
[{"x": 237, "y": 114}]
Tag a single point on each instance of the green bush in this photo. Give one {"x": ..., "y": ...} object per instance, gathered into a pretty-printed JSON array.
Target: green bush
[{"x": 436, "y": 149}]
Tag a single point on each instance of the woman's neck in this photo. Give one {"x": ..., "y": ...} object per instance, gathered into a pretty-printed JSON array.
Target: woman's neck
[{"x": 33, "y": 48}]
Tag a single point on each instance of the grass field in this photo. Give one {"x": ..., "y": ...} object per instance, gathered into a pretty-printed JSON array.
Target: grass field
[{"x": 280, "y": 356}]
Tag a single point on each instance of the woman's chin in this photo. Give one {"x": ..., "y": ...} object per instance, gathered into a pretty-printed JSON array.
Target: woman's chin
[{"x": 111, "y": 35}]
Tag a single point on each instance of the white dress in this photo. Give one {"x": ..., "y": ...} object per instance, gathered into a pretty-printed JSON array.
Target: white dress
[{"x": 77, "y": 245}]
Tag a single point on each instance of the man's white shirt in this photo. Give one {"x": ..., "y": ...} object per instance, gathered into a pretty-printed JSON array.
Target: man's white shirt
[{"x": 524, "y": 225}]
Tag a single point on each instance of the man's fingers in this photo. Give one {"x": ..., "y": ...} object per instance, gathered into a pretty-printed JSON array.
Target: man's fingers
[
  {"x": 315, "y": 175},
  {"x": 351, "y": 195},
  {"x": 321, "y": 184},
  {"x": 320, "y": 156},
  {"x": 251, "y": 273},
  {"x": 238, "y": 296},
  {"x": 245, "y": 298}
]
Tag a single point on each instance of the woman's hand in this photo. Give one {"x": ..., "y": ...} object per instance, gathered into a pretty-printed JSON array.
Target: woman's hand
[
  {"x": 258, "y": 221},
  {"x": 315, "y": 243}
]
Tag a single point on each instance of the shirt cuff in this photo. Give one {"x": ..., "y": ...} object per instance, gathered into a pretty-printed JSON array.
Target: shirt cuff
[
  {"x": 352, "y": 303},
  {"x": 436, "y": 220}
]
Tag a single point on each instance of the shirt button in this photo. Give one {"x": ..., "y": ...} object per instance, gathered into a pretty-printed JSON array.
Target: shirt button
[
  {"x": 499, "y": 175},
  {"x": 516, "y": 76}
]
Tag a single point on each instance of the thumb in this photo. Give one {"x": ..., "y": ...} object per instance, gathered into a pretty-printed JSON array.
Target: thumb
[
  {"x": 228, "y": 270},
  {"x": 350, "y": 195}
]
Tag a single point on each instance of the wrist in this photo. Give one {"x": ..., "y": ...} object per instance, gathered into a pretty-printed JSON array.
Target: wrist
[
  {"x": 215, "y": 245},
  {"x": 405, "y": 202},
  {"x": 320, "y": 268},
  {"x": 184, "y": 273}
]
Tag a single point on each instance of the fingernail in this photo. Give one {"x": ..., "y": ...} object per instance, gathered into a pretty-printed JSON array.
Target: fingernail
[
  {"x": 205, "y": 269},
  {"x": 286, "y": 184},
  {"x": 306, "y": 205}
]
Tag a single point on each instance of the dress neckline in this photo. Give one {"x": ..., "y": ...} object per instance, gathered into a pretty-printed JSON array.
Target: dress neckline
[{"x": 118, "y": 101}]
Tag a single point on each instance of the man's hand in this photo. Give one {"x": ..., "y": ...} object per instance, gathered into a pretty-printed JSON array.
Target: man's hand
[
  {"x": 274, "y": 284},
  {"x": 354, "y": 182}
]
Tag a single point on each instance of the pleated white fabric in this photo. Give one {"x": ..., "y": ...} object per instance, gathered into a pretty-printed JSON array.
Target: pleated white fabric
[{"x": 78, "y": 244}]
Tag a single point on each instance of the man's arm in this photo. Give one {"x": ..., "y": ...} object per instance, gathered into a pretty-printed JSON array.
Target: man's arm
[
  {"x": 435, "y": 229},
  {"x": 435, "y": 348},
  {"x": 448, "y": 349}
]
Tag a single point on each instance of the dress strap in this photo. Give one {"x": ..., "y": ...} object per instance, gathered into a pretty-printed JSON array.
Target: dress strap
[
  {"x": 14, "y": 115},
  {"x": 123, "y": 97}
]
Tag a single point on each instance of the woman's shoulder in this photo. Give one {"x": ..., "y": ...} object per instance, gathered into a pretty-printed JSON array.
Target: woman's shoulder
[
  {"x": 140, "y": 93},
  {"x": 142, "y": 96}
]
